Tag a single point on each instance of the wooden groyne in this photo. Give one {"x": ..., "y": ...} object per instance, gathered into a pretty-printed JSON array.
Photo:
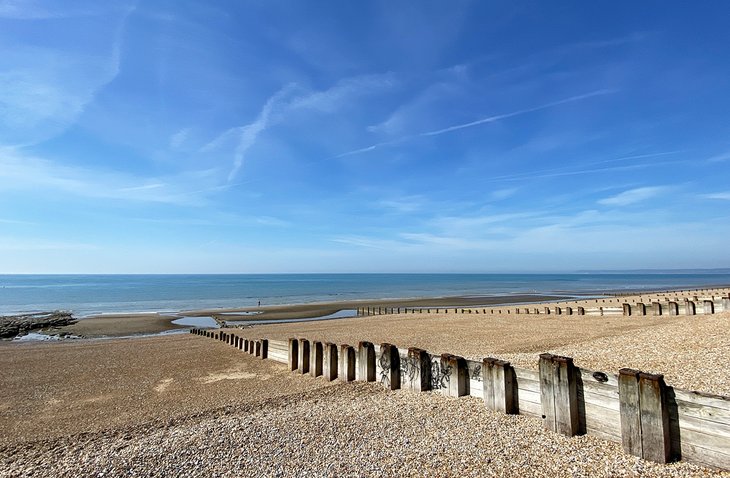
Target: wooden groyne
[
  {"x": 689, "y": 302},
  {"x": 650, "y": 418}
]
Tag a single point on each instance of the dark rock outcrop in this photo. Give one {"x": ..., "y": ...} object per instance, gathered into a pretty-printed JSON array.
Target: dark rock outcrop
[{"x": 14, "y": 325}]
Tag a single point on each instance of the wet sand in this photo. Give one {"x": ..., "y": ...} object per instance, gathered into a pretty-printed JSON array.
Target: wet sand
[
  {"x": 119, "y": 325},
  {"x": 319, "y": 309}
]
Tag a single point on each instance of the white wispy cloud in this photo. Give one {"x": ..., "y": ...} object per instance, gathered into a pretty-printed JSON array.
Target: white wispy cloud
[
  {"x": 590, "y": 167},
  {"x": 15, "y": 244},
  {"x": 20, "y": 171},
  {"x": 719, "y": 157},
  {"x": 404, "y": 204},
  {"x": 492, "y": 119},
  {"x": 39, "y": 10},
  {"x": 343, "y": 91},
  {"x": 633, "y": 196},
  {"x": 177, "y": 140},
  {"x": 501, "y": 194},
  {"x": 725, "y": 195},
  {"x": 16, "y": 222},
  {"x": 288, "y": 99},
  {"x": 489, "y": 119},
  {"x": 250, "y": 132},
  {"x": 43, "y": 90},
  {"x": 367, "y": 242}
]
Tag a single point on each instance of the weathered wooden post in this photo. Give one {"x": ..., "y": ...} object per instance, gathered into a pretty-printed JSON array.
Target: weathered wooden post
[
  {"x": 645, "y": 430},
  {"x": 293, "y": 362},
  {"x": 558, "y": 310},
  {"x": 417, "y": 370},
  {"x": 366, "y": 362},
  {"x": 689, "y": 307},
  {"x": 264, "y": 348},
  {"x": 673, "y": 308},
  {"x": 568, "y": 311},
  {"x": 315, "y": 359},
  {"x": 640, "y": 308},
  {"x": 347, "y": 363},
  {"x": 303, "y": 356},
  {"x": 709, "y": 307},
  {"x": 257, "y": 350},
  {"x": 330, "y": 361},
  {"x": 581, "y": 311},
  {"x": 726, "y": 303},
  {"x": 500, "y": 386},
  {"x": 389, "y": 362},
  {"x": 656, "y": 308},
  {"x": 455, "y": 372},
  {"x": 547, "y": 310},
  {"x": 559, "y": 394}
]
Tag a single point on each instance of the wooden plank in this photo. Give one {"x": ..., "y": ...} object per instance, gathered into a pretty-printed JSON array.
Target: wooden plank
[
  {"x": 416, "y": 373},
  {"x": 527, "y": 374},
  {"x": 654, "y": 416},
  {"x": 566, "y": 397},
  {"x": 347, "y": 363},
  {"x": 457, "y": 374},
  {"x": 700, "y": 448},
  {"x": 303, "y": 356},
  {"x": 705, "y": 426},
  {"x": 329, "y": 366},
  {"x": 530, "y": 409},
  {"x": 603, "y": 419},
  {"x": 278, "y": 357},
  {"x": 547, "y": 394},
  {"x": 706, "y": 399},
  {"x": 476, "y": 388},
  {"x": 498, "y": 386},
  {"x": 366, "y": 362},
  {"x": 603, "y": 401},
  {"x": 598, "y": 378},
  {"x": 629, "y": 411},
  {"x": 389, "y": 366},
  {"x": 609, "y": 393},
  {"x": 710, "y": 414},
  {"x": 528, "y": 396},
  {"x": 316, "y": 352},
  {"x": 529, "y": 385}
]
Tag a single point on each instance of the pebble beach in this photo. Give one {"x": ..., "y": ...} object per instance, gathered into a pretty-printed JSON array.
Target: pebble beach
[{"x": 184, "y": 405}]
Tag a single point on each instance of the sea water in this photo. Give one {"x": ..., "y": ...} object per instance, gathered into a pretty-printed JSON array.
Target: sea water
[{"x": 93, "y": 294}]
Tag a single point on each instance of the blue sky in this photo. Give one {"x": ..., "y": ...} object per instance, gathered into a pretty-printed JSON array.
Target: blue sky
[{"x": 383, "y": 136}]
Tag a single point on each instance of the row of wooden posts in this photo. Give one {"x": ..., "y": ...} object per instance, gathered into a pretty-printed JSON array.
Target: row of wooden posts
[
  {"x": 687, "y": 306},
  {"x": 258, "y": 348},
  {"x": 643, "y": 397}
]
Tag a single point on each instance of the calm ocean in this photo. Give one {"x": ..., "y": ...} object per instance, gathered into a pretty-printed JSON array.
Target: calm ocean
[{"x": 88, "y": 294}]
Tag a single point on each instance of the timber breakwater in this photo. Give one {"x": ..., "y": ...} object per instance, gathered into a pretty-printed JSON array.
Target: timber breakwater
[{"x": 650, "y": 418}]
